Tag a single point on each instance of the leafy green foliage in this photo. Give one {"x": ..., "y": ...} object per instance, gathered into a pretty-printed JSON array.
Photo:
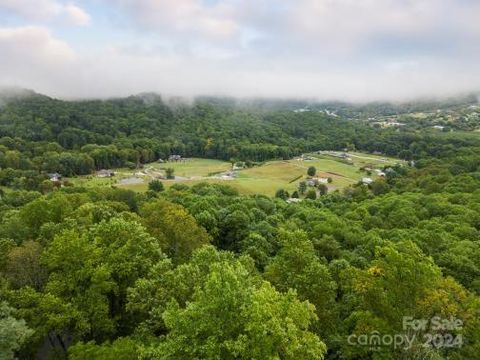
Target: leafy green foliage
[
  {"x": 202, "y": 272},
  {"x": 175, "y": 230},
  {"x": 13, "y": 332},
  {"x": 229, "y": 316},
  {"x": 311, "y": 194},
  {"x": 156, "y": 185}
]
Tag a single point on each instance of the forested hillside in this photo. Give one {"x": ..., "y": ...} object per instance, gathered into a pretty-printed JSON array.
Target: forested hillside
[
  {"x": 202, "y": 272},
  {"x": 41, "y": 135}
]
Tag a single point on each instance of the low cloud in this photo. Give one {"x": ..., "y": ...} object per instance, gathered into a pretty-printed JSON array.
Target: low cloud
[
  {"x": 32, "y": 57},
  {"x": 47, "y": 11},
  {"x": 192, "y": 18},
  {"x": 325, "y": 49}
]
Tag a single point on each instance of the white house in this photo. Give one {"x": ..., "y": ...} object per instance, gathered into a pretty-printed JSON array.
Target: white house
[
  {"x": 367, "y": 180},
  {"x": 55, "y": 177},
  {"x": 380, "y": 173}
]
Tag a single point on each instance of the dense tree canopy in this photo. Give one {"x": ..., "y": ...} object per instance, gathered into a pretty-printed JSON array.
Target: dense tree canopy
[{"x": 203, "y": 272}]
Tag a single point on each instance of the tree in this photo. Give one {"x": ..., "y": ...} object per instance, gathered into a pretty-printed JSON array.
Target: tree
[
  {"x": 379, "y": 187},
  {"x": 234, "y": 226},
  {"x": 323, "y": 189},
  {"x": 129, "y": 252},
  {"x": 48, "y": 316},
  {"x": 302, "y": 187},
  {"x": 282, "y": 194},
  {"x": 295, "y": 195},
  {"x": 6, "y": 245},
  {"x": 78, "y": 275},
  {"x": 150, "y": 296},
  {"x": 258, "y": 248},
  {"x": 297, "y": 267},
  {"x": 170, "y": 173},
  {"x": 174, "y": 228},
  {"x": 156, "y": 185},
  {"x": 311, "y": 171},
  {"x": 311, "y": 194},
  {"x": 330, "y": 180},
  {"x": 233, "y": 316},
  {"x": 400, "y": 281},
  {"x": 23, "y": 266},
  {"x": 405, "y": 155},
  {"x": 13, "y": 333},
  {"x": 120, "y": 349},
  {"x": 46, "y": 186}
]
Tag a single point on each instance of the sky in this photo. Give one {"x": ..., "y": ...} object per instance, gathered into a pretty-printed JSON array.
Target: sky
[{"x": 352, "y": 50}]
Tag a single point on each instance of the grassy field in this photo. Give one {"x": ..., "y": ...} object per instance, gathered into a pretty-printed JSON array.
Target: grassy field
[
  {"x": 265, "y": 179},
  {"x": 273, "y": 175},
  {"x": 194, "y": 167}
]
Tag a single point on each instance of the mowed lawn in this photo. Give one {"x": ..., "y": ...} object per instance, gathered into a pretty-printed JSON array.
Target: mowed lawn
[
  {"x": 194, "y": 167},
  {"x": 274, "y": 175}
]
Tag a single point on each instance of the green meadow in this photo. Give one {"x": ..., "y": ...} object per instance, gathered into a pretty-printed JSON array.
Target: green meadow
[{"x": 266, "y": 178}]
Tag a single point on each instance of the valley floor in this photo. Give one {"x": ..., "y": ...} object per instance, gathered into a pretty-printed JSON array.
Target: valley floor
[{"x": 266, "y": 179}]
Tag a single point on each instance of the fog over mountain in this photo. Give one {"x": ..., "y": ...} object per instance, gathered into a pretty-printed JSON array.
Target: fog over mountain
[{"x": 320, "y": 49}]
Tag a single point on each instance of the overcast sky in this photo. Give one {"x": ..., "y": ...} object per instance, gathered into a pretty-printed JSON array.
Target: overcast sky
[{"x": 324, "y": 49}]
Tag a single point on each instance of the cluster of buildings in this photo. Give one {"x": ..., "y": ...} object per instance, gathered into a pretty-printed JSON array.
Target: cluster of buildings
[
  {"x": 304, "y": 158},
  {"x": 172, "y": 158},
  {"x": 175, "y": 158},
  {"x": 369, "y": 180},
  {"x": 315, "y": 181},
  {"x": 389, "y": 123},
  {"x": 103, "y": 173},
  {"x": 338, "y": 154}
]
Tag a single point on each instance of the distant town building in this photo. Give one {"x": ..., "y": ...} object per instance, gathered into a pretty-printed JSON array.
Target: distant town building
[
  {"x": 305, "y": 109},
  {"x": 330, "y": 113},
  {"x": 388, "y": 123},
  {"x": 395, "y": 123}
]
